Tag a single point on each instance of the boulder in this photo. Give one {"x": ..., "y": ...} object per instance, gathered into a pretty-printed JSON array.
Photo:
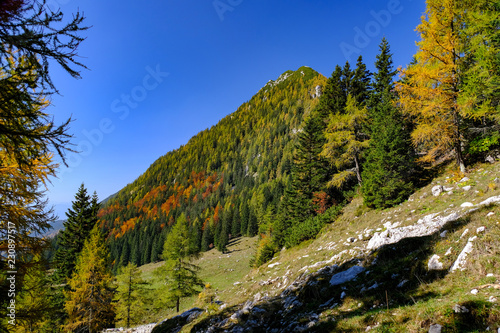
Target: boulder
[
  {"x": 437, "y": 190},
  {"x": 427, "y": 226},
  {"x": 174, "y": 324},
  {"x": 435, "y": 328},
  {"x": 434, "y": 264},
  {"x": 347, "y": 275},
  {"x": 460, "y": 309}
]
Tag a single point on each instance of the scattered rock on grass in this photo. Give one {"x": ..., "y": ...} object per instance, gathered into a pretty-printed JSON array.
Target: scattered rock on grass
[
  {"x": 434, "y": 264},
  {"x": 460, "y": 309},
  {"x": 461, "y": 260},
  {"x": 437, "y": 190},
  {"x": 435, "y": 328}
]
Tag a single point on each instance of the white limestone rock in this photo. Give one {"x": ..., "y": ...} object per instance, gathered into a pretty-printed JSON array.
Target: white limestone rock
[
  {"x": 492, "y": 200},
  {"x": 434, "y": 264},
  {"x": 427, "y": 226},
  {"x": 460, "y": 309},
  {"x": 437, "y": 190},
  {"x": 462, "y": 257},
  {"x": 464, "y": 233}
]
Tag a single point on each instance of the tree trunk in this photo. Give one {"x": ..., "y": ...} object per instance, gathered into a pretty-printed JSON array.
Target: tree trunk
[
  {"x": 459, "y": 156},
  {"x": 358, "y": 172},
  {"x": 178, "y": 303},
  {"x": 128, "y": 300}
]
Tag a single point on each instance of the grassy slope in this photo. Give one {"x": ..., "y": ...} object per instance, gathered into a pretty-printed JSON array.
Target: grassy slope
[
  {"x": 220, "y": 270},
  {"x": 427, "y": 297}
]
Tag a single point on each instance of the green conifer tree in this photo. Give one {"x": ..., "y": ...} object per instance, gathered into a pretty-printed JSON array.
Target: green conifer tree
[
  {"x": 390, "y": 159},
  {"x": 129, "y": 296},
  {"x": 309, "y": 167},
  {"x": 334, "y": 96},
  {"x": 178, "y": 273},
  {"x": 224, "y": 233},
  {"x": 81, "y": 218},
  {"x": 207, "y": 238}
]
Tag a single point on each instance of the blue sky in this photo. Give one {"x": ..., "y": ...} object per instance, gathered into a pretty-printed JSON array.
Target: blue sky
[{"x": 160, "y": 71}]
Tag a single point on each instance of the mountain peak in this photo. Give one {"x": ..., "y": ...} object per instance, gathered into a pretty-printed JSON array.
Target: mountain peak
[{"x": 304, "y": 72}]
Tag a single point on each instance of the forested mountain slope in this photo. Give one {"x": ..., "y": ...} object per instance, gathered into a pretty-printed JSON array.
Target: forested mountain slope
[{"x": 225, "y": 179}]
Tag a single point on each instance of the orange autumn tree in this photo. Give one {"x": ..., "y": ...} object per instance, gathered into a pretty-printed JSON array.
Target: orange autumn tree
[{"x": 430, "y": 86}]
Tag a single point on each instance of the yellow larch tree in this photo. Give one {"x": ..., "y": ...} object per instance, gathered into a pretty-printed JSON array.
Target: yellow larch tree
[
  {"x": 430, "y": 86},
  {"x": 346, "y": 142},
  {"x": 89, "y": 301}
]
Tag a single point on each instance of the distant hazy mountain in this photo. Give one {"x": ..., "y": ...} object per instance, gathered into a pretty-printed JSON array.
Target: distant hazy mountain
[{"x": 56, "y": 227}]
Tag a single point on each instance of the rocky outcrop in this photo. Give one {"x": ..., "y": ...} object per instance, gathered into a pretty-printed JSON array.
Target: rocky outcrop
[
  {"x": 424, "y": 227},
  {"x": 175, "y": 324}
]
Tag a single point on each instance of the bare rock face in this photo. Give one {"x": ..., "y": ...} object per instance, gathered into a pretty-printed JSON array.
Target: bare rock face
[
  {"x": 176, "y": 323},
  {"x": 425, "y": 227}
]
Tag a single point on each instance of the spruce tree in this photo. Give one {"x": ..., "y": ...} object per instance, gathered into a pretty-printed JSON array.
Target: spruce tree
[
  {"x": 390, "y": 158},
  {"x": 236, "y": 223},
  {"x": 333, "y": 97},
  {"x": 253, "y": 224},
  {"x": 81, "y": 218},
  {"x": 360, "y": 86},
  {"x": 223, "y": 239},
  {"x": 207, "y": 238},
  {"x": 178, "y": 273},
  {"x": 244, "y": 213},
  {"x": 310, "y": 168},
  {"x": 89, "y": 300}
]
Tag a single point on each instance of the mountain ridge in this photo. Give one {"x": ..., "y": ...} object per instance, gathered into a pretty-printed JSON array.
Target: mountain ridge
[{"x": 233, "y": 171}]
